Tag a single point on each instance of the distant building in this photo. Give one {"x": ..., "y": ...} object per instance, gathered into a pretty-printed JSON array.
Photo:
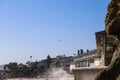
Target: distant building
[
  {"x": 87, "y": 59},
  {"x": 62, "y": 61}
]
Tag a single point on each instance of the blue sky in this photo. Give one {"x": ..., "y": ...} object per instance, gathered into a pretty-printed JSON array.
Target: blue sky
[{"x": 34, "y": 27}]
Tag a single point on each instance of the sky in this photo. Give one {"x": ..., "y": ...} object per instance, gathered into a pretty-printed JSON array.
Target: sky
[{"x": 39, "y": 28}]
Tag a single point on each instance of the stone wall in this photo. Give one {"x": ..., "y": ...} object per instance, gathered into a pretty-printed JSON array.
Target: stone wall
[{"x": 87, "y": 73}]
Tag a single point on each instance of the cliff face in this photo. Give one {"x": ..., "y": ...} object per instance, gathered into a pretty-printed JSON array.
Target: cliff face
[
  {"x": 112, "y": 23},
  {"x": 113, "y": 18}
]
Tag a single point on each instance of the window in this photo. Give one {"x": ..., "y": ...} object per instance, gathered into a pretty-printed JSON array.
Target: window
[
  {"x": 110, "y": 39},
  {"x": 77, "y": 64},
  {"x": 109, "y": 48}
]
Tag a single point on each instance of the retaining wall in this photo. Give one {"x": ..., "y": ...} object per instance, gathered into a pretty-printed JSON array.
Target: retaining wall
[{"x": 87, "y": 73}]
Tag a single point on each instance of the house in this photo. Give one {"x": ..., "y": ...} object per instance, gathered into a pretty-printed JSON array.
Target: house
[
  {"x": 106, "y": 45},
  {"x": 87, "y": 59}
]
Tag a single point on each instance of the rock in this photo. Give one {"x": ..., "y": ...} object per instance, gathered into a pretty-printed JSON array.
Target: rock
[
  {"x": 113, "y": 28},
  {"x": 113, "y": 18},
  {"x": 112, "y": 23}
]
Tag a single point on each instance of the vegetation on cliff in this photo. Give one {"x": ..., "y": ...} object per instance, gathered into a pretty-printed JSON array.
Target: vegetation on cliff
[{"x": 35, "y": 69}]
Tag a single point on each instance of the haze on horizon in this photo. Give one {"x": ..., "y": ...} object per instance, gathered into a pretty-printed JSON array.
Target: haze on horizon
[{"x": 55, "y": 27}]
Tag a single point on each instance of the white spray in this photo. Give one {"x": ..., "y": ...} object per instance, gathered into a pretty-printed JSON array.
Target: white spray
[
  {"x": 53, "y": 74},
  {"x": 59, "y": 74}
]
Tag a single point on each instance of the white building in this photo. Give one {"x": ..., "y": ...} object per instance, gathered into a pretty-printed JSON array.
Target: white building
[{"x": 87, "y": 59}]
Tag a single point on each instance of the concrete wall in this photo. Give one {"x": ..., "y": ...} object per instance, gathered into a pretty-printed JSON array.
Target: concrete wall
[
  {"x": 97, "y": 61},
  {"x": 86, "y": 73},
  {"x": 72, "y": 66}
]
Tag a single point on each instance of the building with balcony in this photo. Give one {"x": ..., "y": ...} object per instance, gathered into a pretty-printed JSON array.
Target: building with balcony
[
  {"x": 101, "y": 56},
  {"x": 87, "y": 59},
  {"x": 106, "y": 45}
]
